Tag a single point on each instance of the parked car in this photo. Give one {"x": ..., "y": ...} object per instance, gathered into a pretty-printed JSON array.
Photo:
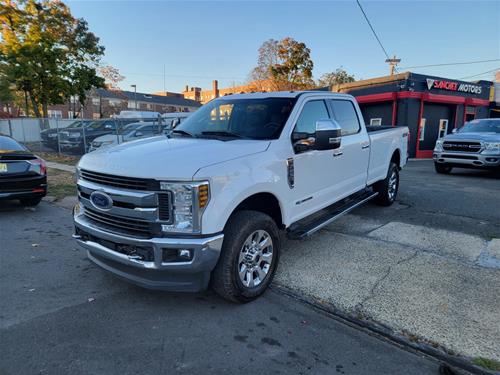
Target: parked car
[
  {"x": 23, "y": 176},
  {"x": 474, "y": 145},
  {"x": 79, "y": 139},
  {"x": 208, "y": 202},
  {"x": 129, "y": 133},
  {"x": 172, "y": 119},
  {"x": 50, "y": 138}
]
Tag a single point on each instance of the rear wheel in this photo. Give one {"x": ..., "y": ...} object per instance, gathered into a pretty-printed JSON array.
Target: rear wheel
[
  {"x": 388, "y": 188},
  {"x": 30, "y": 202},
  {"x": 249, "y": 257},
  {"x": 442, "y": 168}
]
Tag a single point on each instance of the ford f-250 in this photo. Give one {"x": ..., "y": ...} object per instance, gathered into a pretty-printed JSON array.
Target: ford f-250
[
  {"x": 474, "y": 145},
  {"x": 206, "y": 203}
]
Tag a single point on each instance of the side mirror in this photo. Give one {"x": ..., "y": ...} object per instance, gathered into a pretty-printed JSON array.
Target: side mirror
[
  {"x": 328, "y": 135},
  {"x": 139, "y": 133},
  {"x": 454, "y": 130}
]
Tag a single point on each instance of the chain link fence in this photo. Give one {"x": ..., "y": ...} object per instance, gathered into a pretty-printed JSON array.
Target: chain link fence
[{"x": 79, "y": 136}]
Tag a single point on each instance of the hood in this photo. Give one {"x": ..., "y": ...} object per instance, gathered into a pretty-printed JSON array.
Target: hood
[
  {"x": 167, "y": 158},
  {"x": 473, "y": 136},
  {"x": 108, "y": 137}
]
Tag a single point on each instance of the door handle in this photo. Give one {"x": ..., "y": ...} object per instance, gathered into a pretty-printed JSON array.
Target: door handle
[
  {"x": 337, "y": 153},
  {"x": 366, "y": 145}
]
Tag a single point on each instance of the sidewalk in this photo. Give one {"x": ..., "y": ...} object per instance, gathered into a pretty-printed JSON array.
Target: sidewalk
[
  {"x": 60, "y": 166},
  {"x": 430, "y": 284}
]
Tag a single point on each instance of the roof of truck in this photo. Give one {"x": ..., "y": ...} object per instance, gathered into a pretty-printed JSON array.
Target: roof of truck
[{"x": 280, "y": 94}]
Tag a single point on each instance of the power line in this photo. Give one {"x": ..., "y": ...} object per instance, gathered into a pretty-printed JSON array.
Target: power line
[
  {"x": 448, "y": 64},
  {"x": 480, "y": 74},
  {"x": 373, "y": 30}
]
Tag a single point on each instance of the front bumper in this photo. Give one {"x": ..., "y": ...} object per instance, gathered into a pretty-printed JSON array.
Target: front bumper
[
  {"x": 106, "y": 250},
  {"x": 467, "y": 159}
]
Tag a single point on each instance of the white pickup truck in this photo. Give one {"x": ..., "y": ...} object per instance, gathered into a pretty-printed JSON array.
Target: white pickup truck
[{"x": 206, "y": 204}]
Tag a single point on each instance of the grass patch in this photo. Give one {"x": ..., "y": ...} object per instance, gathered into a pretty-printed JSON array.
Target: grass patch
[
  {"x": 489, "y": 364},
  {"x": 59, "y": 158},
  {"x": 60, "y": 183}
]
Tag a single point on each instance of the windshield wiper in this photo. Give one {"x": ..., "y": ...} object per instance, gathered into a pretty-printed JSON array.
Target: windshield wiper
[
  {"x": 183, "y": 132},
  {"x": 222, "y": 133}
]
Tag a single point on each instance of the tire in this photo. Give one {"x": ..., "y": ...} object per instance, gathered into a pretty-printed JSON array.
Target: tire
[
  {"x": 388, "y": 188},
  {"x": 30, "y": 202},
  {"x": 442, "y": 168},
  {"x": 240, "y": 251}
]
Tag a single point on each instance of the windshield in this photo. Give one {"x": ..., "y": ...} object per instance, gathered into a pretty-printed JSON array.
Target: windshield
[
  {"x": 129, "y": 128},
  {"x": 77, "y": 124},
  {"x": 239, "y": 118},
  {"x": 481, "y": 126}
]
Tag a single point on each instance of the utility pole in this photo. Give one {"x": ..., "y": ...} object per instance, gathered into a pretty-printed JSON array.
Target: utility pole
[
  {"x": 135, "y": 95},
  {"x": 392, "y": 64}
]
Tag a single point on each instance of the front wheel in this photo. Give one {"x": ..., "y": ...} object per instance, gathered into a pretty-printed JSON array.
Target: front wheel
[
  {"x": 388, "y": 188},
  {"x": 442, "y": 168},
  {"x": 249, "y": 257}
]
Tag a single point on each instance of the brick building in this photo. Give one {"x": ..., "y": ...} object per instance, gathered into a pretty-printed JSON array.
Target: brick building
[
  {"x": 106, "y": 103},
  {"x": 204, "y": 96}
]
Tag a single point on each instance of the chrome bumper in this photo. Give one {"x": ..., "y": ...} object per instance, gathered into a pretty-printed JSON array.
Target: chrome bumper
[
  {"x": 188, "y": 276},
  {"x": 467, "y": 159}
]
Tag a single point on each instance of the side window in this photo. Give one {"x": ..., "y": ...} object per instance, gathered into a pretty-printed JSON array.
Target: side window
[
  {"x": 313, "y": 111},
  {"x": 345, "y": 114}
]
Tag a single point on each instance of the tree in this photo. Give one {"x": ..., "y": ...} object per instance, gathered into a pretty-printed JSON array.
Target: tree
[
  {"x": 112, "y": 77},
  {"x": 268, "y": 56},
  {"x": 48, "y": 53},
  {"x": 283, "y": 65},
  {"x": 337, "y": 77},
  {"x": 294, "y": 67}
]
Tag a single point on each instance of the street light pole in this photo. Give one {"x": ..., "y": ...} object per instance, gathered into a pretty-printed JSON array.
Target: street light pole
[{"x": 135, "y": 95}]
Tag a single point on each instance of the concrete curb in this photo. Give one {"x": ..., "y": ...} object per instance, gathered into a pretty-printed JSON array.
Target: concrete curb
[{"x": 382, "y": 331}]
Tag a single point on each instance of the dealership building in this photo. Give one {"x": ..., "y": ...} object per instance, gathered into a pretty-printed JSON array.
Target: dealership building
[{"x": 430, "y": 106}]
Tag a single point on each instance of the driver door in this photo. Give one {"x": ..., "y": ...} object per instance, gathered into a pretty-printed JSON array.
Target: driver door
[{"x": 314, "y": 179}]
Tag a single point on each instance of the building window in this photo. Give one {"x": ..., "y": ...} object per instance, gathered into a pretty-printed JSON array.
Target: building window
[
  {"x": 54, "y": 113},
  {"x": 115, "y": 102},
  {"x": 422, "y": 130},
  {"x": 96, "y": 116},
  {"x": 376, "y": 121},
  {"x": 443, "y": 128},
  {"x": 131, "y": 104},
  {"x": 96, "y": 101}
]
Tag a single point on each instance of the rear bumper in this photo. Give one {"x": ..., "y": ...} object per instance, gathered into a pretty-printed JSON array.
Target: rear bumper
[
  {"x": 115, "y": 253},
  {"x": 23, "y": 187},
  {"x": 467, "y": 159}
]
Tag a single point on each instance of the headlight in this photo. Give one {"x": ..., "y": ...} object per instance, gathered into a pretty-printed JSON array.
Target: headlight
[
  {"x": 52, "y": 135},
  {"x": 74, "y": 135},
  {"x": 189, "y": 200},
  {"x": 77, "y": 174},
  {"x": 492, "y": 146},
  {"x": 439, "y": 145}
]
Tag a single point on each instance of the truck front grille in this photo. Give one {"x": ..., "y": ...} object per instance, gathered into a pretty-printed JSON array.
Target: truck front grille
[
  {"x": 462, "y": 146},
  {"x": 138, "y": 228},
  {"x": 131, "y": 183}
]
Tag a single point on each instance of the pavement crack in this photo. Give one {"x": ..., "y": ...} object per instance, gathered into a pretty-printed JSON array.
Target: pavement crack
[{"x": 373, "y": 290}]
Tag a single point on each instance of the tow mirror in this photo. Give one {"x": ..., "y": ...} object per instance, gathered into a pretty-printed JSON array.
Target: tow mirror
[{"x": 328, "y": 135}]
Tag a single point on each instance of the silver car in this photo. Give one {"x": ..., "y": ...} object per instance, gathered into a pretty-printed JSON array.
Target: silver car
[{"x": 129, "y": 133}]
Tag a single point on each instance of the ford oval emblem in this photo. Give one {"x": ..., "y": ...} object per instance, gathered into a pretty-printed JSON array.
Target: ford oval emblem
[{"x": 101, "y": 200}]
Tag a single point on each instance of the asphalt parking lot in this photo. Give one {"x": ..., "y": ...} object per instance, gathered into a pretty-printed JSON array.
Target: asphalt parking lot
[{"x": 60, "y": 314}]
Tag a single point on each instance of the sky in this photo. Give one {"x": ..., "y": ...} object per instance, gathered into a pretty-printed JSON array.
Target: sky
[{"x": 170, "y": 44}]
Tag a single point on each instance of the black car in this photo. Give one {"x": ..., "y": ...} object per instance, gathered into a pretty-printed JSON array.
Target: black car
[
  {"x": 23, "y": 175},
  {"x": 50, "y": 138},
  {"x": 79, "y": 140}
]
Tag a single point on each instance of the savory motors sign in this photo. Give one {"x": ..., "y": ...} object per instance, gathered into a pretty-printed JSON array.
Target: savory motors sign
[{"x": 442, "y": 84}]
